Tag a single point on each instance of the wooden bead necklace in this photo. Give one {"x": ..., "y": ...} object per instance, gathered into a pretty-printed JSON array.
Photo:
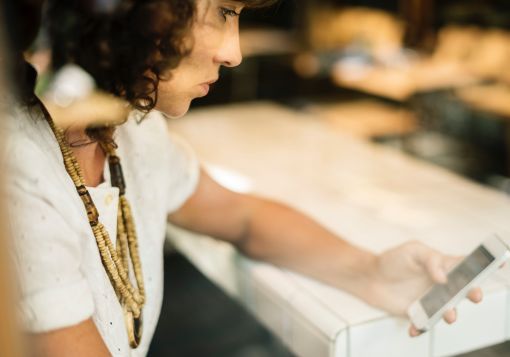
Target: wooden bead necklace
[{"x": 116, "y": 260}]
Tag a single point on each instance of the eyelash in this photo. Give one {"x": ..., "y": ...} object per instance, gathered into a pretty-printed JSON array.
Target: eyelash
[{"x": 228, "y": 12}]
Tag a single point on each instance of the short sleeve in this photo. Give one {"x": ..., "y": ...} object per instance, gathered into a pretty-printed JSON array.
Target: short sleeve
[
  {"x": 46, "y": 250},
  {"x": 184, "y": 172}
]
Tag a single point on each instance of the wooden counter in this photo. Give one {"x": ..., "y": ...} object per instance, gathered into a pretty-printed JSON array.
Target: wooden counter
[{"x": 371, "y": 195}]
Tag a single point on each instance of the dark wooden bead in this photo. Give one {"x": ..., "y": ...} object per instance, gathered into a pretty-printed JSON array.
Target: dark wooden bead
[
  {"x": 90, "y": 207},
  {"x": 117, "y": 176}
]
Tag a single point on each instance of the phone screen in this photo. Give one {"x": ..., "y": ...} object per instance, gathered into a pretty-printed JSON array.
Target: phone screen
[{"x": 458, "y": 278}]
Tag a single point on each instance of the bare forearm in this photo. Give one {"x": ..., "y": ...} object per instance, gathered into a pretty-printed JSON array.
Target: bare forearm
[
  {"x": 283, "y": 236},
  {"x": 278, "y": 234},
  {"x": 80, "y": 340},
  {"x": 273, "y": 232}
]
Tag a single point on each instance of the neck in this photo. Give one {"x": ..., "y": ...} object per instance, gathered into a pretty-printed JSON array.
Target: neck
[{"x": 89, "y": 154}]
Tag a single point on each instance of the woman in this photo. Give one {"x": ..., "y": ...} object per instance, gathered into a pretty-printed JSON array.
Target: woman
[{"x": 89, "y": 240}]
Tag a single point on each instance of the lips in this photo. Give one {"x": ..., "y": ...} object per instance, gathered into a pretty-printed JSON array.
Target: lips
[{"x": 206, "y": 86}]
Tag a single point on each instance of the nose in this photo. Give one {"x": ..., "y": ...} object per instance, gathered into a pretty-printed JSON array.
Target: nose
[{"x": 229, "y": 52}]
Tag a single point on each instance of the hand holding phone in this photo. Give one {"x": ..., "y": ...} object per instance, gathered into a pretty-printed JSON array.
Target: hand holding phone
[{"x": 471, "y": 271}]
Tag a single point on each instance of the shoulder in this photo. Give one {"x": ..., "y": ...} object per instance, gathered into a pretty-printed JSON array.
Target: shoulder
[
  {"x": 28, "y": 144},
  {"x": 30, "y": 148},
  {"x": 33, "y": 161},
  {"x": 150, "y": 127},
  {"x": 155, "y": 154},
  {"x": 151, "y": 138}
]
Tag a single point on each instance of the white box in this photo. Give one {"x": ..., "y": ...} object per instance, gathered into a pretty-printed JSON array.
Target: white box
[
  {"x": 478, "y": 326},
  {"x": 387, "y": 337}
]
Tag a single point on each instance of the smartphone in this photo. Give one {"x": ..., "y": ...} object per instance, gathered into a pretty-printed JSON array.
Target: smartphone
[{"x": 471, "y": 271}]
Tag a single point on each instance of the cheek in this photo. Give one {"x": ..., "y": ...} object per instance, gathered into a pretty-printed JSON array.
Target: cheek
[
  {"x": 173, "y": 100},
  {"x": 183, "y": 83}
]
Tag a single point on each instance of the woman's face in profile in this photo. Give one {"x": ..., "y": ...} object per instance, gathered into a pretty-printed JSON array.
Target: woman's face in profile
[{"x": 215, "y": 34}]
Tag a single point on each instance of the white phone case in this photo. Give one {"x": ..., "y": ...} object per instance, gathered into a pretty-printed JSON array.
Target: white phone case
[{"x": 500, "y": 252}]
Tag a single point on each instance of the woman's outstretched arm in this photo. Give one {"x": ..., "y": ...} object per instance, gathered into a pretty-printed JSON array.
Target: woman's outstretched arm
[{"x": 273, "y": 232}]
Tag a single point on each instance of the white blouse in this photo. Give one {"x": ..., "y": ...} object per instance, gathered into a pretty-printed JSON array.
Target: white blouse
[{"x": 62, "y": 280}]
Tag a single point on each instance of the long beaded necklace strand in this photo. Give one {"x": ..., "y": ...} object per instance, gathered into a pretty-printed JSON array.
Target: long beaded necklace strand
[{"x": 115, "y": 259}]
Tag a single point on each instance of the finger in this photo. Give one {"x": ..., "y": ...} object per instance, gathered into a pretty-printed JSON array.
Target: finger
[
  {"x": 475, "y": 295},
  {"x": 450, "y": 316},
  {"x": 451, "y": 261},
  {"x": 413, "y": 331},
  {"x": 435, "y": 267}
]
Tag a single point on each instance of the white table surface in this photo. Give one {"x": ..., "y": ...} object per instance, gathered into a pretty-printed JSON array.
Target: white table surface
[{"x": 372, "y": 196}]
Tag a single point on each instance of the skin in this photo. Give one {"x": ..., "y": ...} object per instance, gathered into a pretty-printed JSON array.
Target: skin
[
  {"x": 80, "y": 340},
  {"x": 259, "y": 228},
  {"x": 215, "y": 44}
]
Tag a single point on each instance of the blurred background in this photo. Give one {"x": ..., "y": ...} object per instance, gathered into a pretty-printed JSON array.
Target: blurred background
[{"x": 428, "y": 78}]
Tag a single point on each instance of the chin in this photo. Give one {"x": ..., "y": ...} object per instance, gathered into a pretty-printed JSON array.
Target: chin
[{"x": 174, "y": 111}]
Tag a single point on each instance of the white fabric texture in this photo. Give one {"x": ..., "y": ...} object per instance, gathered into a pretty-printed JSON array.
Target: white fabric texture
[{"x": 62, "y": 280}]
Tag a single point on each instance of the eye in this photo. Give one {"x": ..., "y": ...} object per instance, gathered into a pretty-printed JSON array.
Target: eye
[{"x": 225, "y": 12}]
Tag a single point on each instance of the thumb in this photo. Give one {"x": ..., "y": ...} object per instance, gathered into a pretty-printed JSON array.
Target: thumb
[{"x": 435, "y": 266}]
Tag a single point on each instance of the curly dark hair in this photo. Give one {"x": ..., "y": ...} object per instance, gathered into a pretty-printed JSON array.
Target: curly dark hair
[
  {"x": 21, "y": 20},
  {"x": 128, "y": 50},
  {"x": 255, "y": 4},
  {"x": 125, "y": 51}
]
